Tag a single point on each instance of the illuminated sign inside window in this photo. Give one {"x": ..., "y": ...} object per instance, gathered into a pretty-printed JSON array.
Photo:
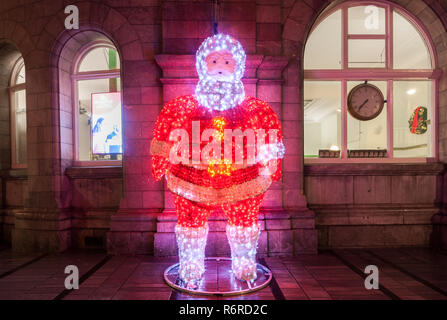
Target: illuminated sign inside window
[{"x": 106, "y": 123}]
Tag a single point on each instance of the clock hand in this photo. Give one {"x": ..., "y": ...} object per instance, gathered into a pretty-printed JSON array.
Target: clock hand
[{"x": 363, "y": 104}]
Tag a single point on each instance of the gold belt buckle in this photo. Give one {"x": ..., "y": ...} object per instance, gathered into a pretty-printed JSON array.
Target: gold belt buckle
[{"x": 222, "y": 168}]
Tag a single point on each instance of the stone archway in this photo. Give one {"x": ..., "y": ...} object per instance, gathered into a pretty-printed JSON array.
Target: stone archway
[
  {"x": 131, "y": 228},
  {"x": 45, "y": 223},
  {"x": 12, "y": 182},
  {"x": 15, "y": 42}
]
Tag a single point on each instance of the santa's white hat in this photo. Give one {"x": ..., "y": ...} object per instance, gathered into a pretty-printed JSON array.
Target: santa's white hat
[{"x": 216, "y": 43}]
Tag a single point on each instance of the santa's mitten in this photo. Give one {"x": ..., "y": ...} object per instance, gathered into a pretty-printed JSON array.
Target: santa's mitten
[
  {"x": 269, "y": 160},
  {"x": 160, "y": 166},
  {"x": 272, "y": 169}
]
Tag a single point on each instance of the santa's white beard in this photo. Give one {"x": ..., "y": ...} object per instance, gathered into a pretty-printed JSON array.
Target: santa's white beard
[{"x": 220, "y": 95}]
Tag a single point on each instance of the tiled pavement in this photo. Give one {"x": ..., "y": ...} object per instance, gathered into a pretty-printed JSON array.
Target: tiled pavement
[{"x": 404, "y": 273}]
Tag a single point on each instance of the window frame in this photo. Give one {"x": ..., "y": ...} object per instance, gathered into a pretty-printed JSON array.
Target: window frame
[
  {"x": 13, "y": 88},
  {"x": 90, "y": 75},
  {"x": 388, "y": 74}
]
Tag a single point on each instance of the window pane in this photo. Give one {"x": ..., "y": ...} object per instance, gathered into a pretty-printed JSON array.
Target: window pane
[
  {"x": 323, "y": 48},
  {"x": 322, "y": 121},
  {"x": 410, "y": 50},
  {"x": 20, "y": 127},
  {"x": 366, "y": 20},
  {"x": 20, "y": 75},
  {"x": 100, "y": 59},
  {"x": 370, "y": 134},
  {"x": 105, "y": 129},
  {"x": 412, "y": 118},
  {"x": 369, "y": 53}
]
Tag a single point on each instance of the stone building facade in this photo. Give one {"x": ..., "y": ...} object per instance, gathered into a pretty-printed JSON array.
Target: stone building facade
[{"x": 54, "y": 204}]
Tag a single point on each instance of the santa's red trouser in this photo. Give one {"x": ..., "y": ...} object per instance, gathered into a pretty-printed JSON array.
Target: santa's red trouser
[{"x": 242, "y": 213}]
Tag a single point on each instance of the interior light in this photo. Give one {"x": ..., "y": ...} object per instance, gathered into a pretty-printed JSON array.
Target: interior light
[
  {"x": 411, "y": 92},
  {"x": 334, "y": 148}
]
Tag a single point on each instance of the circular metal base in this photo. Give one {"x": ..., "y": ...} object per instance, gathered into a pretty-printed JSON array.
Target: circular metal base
[{"x": 218, "y": 279}]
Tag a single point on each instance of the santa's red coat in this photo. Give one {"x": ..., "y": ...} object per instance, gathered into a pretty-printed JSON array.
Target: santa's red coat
[{"x": 213, "y": 184}]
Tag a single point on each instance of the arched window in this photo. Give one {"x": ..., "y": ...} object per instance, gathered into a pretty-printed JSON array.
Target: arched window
[
  {"x": 18, "y": 115},
  {"x": 97, "y": 106},
  {"x": 382, "y": 46}
]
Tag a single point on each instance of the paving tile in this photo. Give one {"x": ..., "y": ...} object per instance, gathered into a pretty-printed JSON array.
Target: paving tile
[
  {"x": 44, "y": 278},
  {"x": 393, "y": 279},
  {"x": 409, "y": 273}
]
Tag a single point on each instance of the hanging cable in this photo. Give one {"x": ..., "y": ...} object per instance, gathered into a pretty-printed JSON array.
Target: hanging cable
[{"x": 215, "y": 15}]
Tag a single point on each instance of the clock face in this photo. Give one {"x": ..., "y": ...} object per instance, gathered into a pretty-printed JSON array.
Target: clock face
[{"x": 365, "y": 102}]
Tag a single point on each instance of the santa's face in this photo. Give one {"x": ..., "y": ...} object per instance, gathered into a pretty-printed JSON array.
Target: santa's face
[{"x": 220, "y": 65}]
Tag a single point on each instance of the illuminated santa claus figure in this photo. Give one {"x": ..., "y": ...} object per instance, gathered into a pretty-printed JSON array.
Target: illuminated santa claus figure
[{"x": 218, "y": 149}]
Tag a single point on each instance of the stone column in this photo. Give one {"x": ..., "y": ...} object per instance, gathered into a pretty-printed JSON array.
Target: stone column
[
  {"x": 132, "y": 228},
  {"x": 45, "y": 222},
  {"x": 439, "y": 220},
  {"x": 290, "y": 225}
]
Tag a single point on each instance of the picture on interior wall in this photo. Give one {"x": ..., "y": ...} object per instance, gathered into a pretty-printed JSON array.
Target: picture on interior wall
[
  {"x": 418, "y": 121},
  {"x": 106, "y": 124}
]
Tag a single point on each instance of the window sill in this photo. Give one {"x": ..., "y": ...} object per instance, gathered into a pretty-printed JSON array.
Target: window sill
[
  {"x": 373, "y": 169},
  {"x": 367, "y": 160},
  {"x": 95, "y": 172},
  {"x": 21, "y": 173},
  {"x": 99, "y": 163}
]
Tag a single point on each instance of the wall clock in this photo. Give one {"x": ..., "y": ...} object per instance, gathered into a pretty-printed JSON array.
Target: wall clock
[{"x": 365, "y": 101}]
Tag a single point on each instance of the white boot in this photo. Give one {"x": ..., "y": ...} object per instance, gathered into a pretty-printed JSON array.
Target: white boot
[
  {"x": 243, "y": 242},
  {"x": 191, "y": 248}
]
